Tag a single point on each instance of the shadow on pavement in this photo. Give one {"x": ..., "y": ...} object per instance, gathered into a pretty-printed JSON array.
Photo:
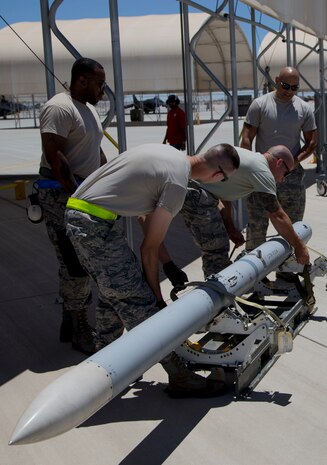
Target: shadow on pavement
[{"x": 149, "y": 403}]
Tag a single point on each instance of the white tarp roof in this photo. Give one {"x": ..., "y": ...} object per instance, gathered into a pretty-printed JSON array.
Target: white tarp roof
[
  {"x": 150, "y": 48},
  {"x": 308, "y": 15},
  {"x": 276, "y": 58}
]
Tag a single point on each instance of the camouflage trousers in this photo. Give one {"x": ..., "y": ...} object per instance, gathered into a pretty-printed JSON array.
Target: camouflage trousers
[
  {"x": 291, "y": 195},
  {"x": 74, "y": 282},
  {"x": 202, "y": 217},
  {"x": 124, "y": 297}
]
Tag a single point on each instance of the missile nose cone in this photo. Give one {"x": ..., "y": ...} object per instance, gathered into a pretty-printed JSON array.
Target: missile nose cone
[{"x": 64, "y": 404}]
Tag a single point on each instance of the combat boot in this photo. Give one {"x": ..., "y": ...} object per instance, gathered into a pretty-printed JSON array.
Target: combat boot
[
  {"x": 66, "y": 327},
  {"x": 184, "y": 383},
  {"x": 83, "y": 335}
]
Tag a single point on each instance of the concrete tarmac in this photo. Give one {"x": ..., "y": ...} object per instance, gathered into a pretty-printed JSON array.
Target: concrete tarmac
[
  {"x": 20, "y": 149},
  {"x": 282, "y": 422}
]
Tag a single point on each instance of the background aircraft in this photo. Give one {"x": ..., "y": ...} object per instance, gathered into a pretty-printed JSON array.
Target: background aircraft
[
  {"x": 149, "y": 105},
  {"x": 8, "y": 107}
]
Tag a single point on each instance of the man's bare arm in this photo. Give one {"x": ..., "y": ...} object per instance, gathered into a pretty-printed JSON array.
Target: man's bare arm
[
  {"x": 283, "y": 226},
  {"x": 226, "y": 211},
  {"x": 54, "y": 150},
  {"x": 164, "y": 256},
  {"x": 248, "y": 134},
  {"x": 308, "y": 148},
  {"x": 155, "y": 228}
]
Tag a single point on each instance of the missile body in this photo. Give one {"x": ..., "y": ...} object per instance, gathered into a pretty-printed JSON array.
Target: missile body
[{"x": 80, "y": 392}]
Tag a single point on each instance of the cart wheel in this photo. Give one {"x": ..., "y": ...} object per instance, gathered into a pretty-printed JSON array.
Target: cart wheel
[{"x": 322, "y": 188}]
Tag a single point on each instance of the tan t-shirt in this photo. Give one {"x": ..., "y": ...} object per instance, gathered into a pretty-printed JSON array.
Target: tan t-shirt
[
  {"x": 138, "y": 180},
  {"x": 80, "y": 125},
  {"x": 279, "y": 123},
  {"x": 253, "y": 175}
]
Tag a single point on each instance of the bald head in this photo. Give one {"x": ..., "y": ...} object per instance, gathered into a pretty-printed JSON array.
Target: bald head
[
  {"x": 288, "y": 72},
  {"x": 280, "y": 161},
  {"x": 287, "y": 83},
  {"x": 283, "y": 153}
]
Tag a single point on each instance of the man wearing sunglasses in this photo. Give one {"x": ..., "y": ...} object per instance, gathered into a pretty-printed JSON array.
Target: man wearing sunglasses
[
  {"x": 207, "y": 210},
  {"x": 71, "y": 134},
  {"x": 280, "y": 117},
  {"x": 149, "y": 180}
]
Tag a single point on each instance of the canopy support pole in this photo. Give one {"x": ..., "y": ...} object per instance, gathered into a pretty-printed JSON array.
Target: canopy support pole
[
  {"x": 47, "y": 45},
  {"x": 119, "y": 95},
  {"x": 187, "y": 78}
]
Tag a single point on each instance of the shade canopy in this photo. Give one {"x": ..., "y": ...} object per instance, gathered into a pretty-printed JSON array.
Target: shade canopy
[
  {"x": 307, "y": 58},
  {"x": 307, "y": 15},
  {"x": 150, "y": 49}
]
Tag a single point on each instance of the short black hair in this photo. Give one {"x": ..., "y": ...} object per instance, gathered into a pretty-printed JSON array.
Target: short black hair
[
  {"x": 83, "y": 66},
  {"x": 222, "y": 155},
  {"x": 232, "y": 154},
  {"x": 172, "y": 99}
]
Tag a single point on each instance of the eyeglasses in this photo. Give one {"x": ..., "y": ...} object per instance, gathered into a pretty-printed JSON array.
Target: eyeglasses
[
  {"x": 286, "y": 86},
  {"x": 287, "y": 172},
  {"x": 225, "y": 178},
  {"x": 99, "y": 82}
]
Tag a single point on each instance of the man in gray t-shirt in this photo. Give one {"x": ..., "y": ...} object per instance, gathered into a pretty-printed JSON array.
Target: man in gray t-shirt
[
  {"x": 149, "y": 180},
  {"x": 212, "y": 227},
  {"x": 71, "y": 134},
  {"x": 280, "y": 117}
]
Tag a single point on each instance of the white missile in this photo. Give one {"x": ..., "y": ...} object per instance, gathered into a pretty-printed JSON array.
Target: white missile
[{"x": 80, "y": 392}]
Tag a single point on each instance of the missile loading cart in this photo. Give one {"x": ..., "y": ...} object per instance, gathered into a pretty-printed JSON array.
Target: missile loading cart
[{"x": 246, "y": 338}]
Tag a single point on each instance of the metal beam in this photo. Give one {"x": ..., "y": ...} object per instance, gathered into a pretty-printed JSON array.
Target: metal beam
[{"x": 47, "y": 46}]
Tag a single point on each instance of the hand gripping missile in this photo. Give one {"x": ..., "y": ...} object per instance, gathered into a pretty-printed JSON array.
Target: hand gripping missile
[{"x": 80, "y": 392}]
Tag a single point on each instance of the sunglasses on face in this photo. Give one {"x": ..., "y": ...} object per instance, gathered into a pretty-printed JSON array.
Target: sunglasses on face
[
  {"x": 286, "y": 86},
  {"x": 287, "y": 172},
  {"x": 225, "y": 178}
]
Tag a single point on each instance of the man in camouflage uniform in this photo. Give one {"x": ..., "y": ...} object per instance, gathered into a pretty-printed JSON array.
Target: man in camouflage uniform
[
  {"x": 71, "y": 135},
  {"x": 280, "y": 117},
  {"x": 203, "y": 219},
  {"x": 151, "y": 181},
  {"x": 207, "y": 207}
]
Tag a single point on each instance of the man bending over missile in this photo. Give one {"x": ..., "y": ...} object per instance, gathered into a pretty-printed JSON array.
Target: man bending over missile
[
  {"x": 207, "y": 207},
  {"x": 148, "y": 180}
]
